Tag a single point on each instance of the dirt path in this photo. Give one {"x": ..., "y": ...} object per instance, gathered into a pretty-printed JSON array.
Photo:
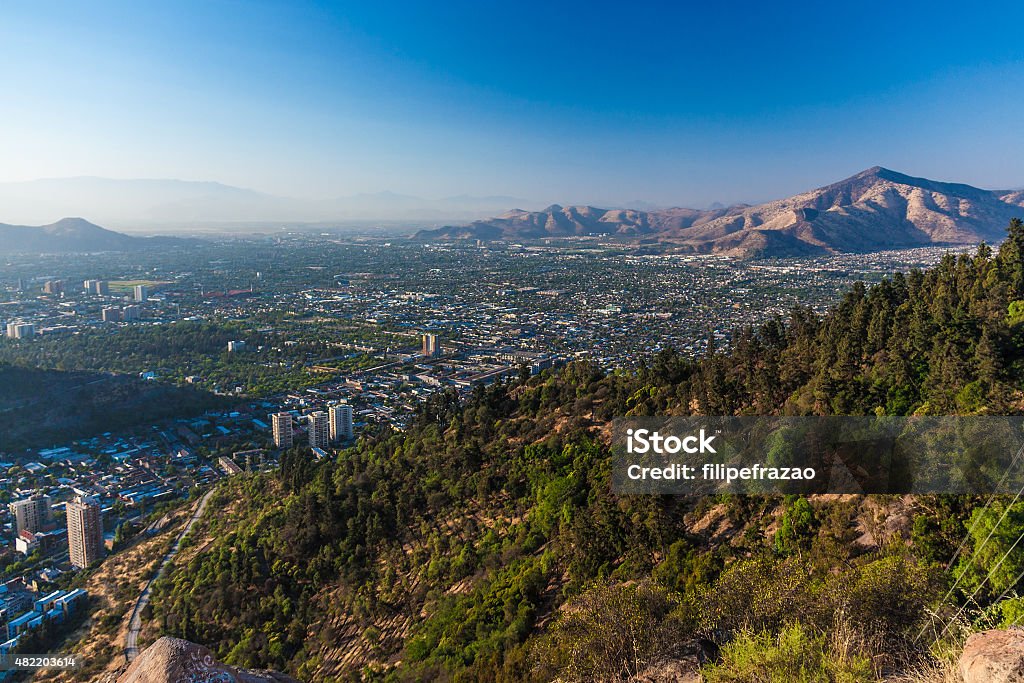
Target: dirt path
[{"x": 131, "y": 641}]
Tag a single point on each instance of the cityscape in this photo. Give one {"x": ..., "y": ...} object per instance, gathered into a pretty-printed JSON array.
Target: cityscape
[
  {"x": 345, "y": 341},
  {"x": 511, "y": 342}
]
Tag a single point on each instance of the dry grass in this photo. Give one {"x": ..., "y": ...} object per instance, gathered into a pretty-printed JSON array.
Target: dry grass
[
  {"x": 113, "y": 588},
  {"x": 942, "y": 671}
]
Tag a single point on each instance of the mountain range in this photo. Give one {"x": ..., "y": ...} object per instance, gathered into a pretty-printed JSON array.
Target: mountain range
[
  {"x": 73, "y": 235},
  {"x": 873, "y": 210},
  {"x": 161, "y": 204}
]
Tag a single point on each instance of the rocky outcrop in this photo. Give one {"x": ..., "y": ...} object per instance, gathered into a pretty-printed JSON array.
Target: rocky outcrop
[
  {"x": 994, "y": 657},
  {"x": 172, "y": 660}
]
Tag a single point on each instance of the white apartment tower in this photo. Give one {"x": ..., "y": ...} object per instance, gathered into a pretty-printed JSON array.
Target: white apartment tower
[
  {"x": 341, "y": 422},
  {"x": 32, "y": 513},
  {"x": 430, "y": 345},
  {"x": 282, "y": 424},
  {"x": 18, "y": 330},
  {"x": 319, "y": 430}
]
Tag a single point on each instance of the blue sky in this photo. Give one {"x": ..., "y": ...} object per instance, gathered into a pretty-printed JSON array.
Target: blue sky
[{"x": 681, "y": 103}]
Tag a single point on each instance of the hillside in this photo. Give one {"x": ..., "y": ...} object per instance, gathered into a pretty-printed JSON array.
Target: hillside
[
  {"x": 485, "y": 543},
  {"x": 72, "y": 235},
  {"x": 39, "y": 408},
  {"x": 873, "y": 210}
]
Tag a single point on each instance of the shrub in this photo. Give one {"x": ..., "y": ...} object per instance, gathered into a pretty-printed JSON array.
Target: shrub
[
  {"x": 757, "y": 594},
  {"x": 612, "y": 632},
  {"x": 796, "y": 655}
]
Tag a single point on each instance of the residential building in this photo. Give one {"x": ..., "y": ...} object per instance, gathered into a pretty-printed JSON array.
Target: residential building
[
  {"x": 18, "y": 330},
  {"x": 141, "y": 292},
  {"x": 85, "y": 531},
  {"x": 319, "y": 430},
  {"x": 430, "y": 345},
  {"x": 282, "y": 425},
  {"x": 341, "y": 422},
  {"x": 32, "y": 513}
]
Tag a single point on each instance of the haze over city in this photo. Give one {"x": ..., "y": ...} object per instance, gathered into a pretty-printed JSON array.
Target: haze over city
[{"x": 506, "y": 105}]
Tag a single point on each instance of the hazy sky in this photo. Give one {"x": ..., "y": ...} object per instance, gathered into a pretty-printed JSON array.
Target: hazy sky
[{"x": 686, "y": 103}]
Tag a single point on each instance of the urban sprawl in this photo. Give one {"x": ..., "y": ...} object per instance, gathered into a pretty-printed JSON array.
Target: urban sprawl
[{"x": 322, "y": 337}]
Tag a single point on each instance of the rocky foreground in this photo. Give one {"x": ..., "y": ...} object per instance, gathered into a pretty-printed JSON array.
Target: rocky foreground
[
  {"x": 994, "y": 657},
  {"x": 172, "y": 660},
  {"x": 988, "y": 657}
]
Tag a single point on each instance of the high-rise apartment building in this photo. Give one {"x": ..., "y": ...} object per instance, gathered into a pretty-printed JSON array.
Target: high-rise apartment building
[
  {"x": 282, "y": 425},
  {"x": 131, "y": 313},
  {"x": 319, "y": 430},
  {"x": 430, "y": 345},
  {"x": 17, "y": 330},
  {"x": 53, "y": 287},
  {"x": 341, "y": 422},
  {"x": 141, "y": 292},
  {"x": 85, "y": 531},
  {"x": 111, "y": 315},
  {"x": 101, "y": 287},
  {"x": 31, "y": 514}
]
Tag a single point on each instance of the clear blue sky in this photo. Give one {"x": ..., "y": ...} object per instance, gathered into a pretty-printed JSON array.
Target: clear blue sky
[{"x": 685, "y": 103}]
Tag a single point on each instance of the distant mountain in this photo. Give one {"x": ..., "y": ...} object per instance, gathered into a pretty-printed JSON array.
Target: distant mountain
[
  {"x": 873, "y": 210},
  {"x": 570, "y": 221},
  {"x": 133, "y": 203},
  {"x": 72, "y": 235},
  {"x": 147, "y": 204}
]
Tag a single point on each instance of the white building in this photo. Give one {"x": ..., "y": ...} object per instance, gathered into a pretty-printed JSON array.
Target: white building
[
  {"x": 319, "y": 430},
  {"x": 141, "y": 292},
  {"x": 341, "y": 422},
  {"x": 17, "y": 330},
  {"x": 32, "y": 513},
  {"x": 282, "y": 424},
  {"x": 431, "y": 347}
]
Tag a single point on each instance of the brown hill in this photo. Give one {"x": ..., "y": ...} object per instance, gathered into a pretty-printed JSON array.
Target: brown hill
[
  {"x": 74, "y": 235},
  {"x": 874, "y": 210}
]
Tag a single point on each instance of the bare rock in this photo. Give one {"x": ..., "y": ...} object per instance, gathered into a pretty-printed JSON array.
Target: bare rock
[
  {"x": 994, "y": 657},
  {"x": 684, "y": 670},
  {"x": 172, "y": 660}
]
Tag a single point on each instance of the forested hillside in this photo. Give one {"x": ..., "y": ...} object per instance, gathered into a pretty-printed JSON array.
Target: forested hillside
[
  {"x": 485, "y": 543},
  {"x": 41, "y": 408}
]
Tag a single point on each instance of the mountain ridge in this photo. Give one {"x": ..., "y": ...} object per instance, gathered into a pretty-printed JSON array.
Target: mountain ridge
[
  {"x": 875, "y": 209},
  {"x": 73, "y": 234},
  {"x": 131, "y": 204}
]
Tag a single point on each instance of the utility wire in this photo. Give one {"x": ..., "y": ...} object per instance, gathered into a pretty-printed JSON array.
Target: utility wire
[{"x": 984, "y": 543}]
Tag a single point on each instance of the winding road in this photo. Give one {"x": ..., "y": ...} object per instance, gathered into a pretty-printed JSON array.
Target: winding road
[{"x": 131, "y": 641}]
